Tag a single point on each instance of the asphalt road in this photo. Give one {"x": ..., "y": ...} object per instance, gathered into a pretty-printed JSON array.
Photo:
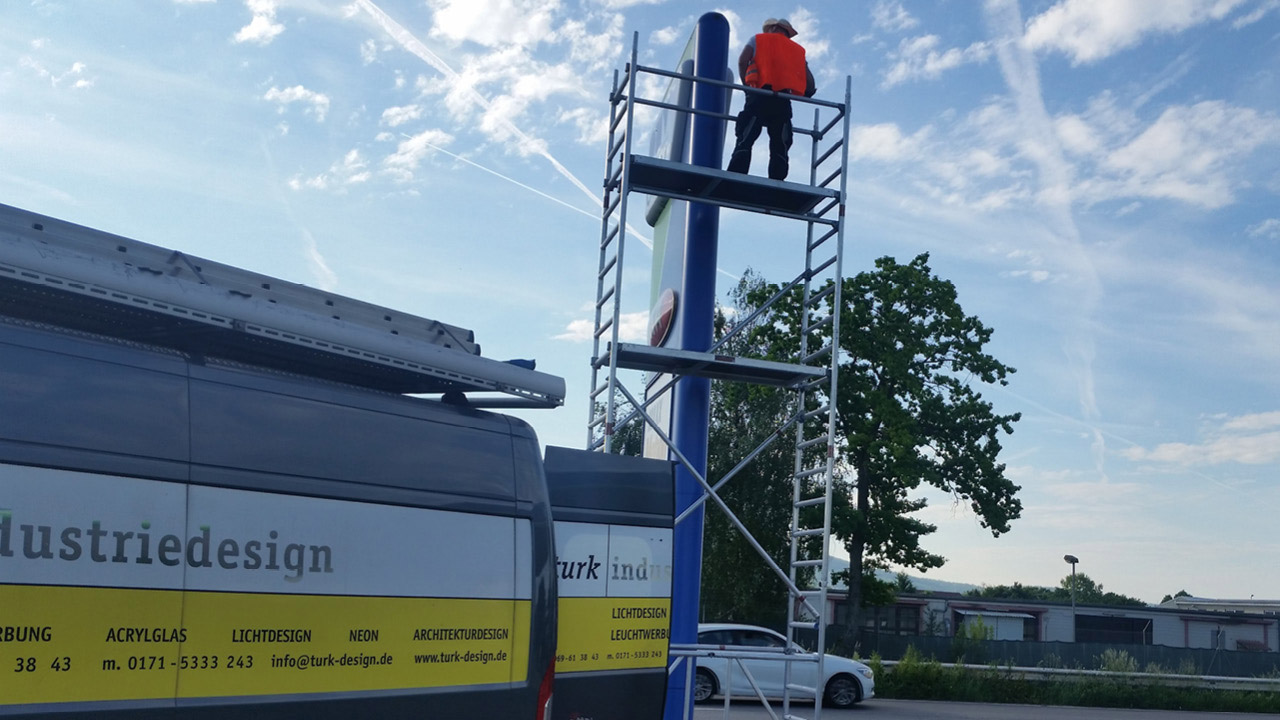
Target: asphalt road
[{"x": 877, "y": 709}]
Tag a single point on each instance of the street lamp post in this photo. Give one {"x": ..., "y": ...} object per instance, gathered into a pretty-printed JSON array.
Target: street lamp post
[{"x": 1073, "y": 560}]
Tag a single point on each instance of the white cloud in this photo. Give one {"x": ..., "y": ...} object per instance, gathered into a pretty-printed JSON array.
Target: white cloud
[
  {"x": 263, "y": 28},
  {"x": 1248, "y": 439},
  {"x": 985, "y": 163},
  {"x": 595, "y": 47},
  {"x": 632, "y": 327},
  {"x": 494, "y": 23},
  {"x": 409, "y": 154},
  {"x": 664, "y": 36},
  {"x": 1089, "y": 30},
  {"x": 463, "y": 93},
  {"x": 1269, "y": 228},
  {"x": 735, "y": 22},
  {"x": 1076, "y": 135},
  {"x": 592, "y": 125},
  {"x": 621, "y": 4},
  {"x": 1258, "y": 13},
  {"x": 1192, "y": 153},
  {"x": 352, "y": 169},
  {"x": 890, "y": 15},
  {"x": 73, "y": 77},
  {"x": 397, "y": 116},
  {"x": 368, "y": 52},
  {"x": 1035, "y": 276},
  {"x": 1202, "y": 155},
  {"x": 516, "y": 82},
  {"x": 919, "y": 58},
  {"x": 577, "y": 331},
  {"x": 1095, "y": 493},
  {"x": 1252, "y": 450},
  {"x": 884, "y": 142},
  {"x": 807, "y": 33},
  {"x": 1254, "y": 422},
  {"x": 317, "y": 103}
]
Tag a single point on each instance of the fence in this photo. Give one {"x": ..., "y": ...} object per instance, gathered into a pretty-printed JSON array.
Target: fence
[{"x": 1029, "y": 654}]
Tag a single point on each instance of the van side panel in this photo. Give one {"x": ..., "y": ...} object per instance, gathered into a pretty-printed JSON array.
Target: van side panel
[
  {"x": 532, "y": 489},
  {"x": 613, "y": 549},
  {"x": 288, "y": 427},
  {"x": 121, "y": 411},
  {"x": 335, "y": 553}
]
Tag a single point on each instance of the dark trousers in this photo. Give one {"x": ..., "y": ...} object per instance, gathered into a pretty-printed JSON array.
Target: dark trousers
[{"x": 763, "y": 112}]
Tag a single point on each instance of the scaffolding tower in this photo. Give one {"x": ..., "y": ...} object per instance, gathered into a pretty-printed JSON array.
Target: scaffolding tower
[{"x": 810, "y": 377}]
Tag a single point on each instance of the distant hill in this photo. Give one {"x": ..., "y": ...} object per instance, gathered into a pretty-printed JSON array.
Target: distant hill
[{"x": 922, "y": 584}]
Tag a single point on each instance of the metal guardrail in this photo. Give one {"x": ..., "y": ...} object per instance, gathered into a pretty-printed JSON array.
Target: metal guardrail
[
  {"x": 686, "y": 657},
  {"x": 1203, "y": 682}
]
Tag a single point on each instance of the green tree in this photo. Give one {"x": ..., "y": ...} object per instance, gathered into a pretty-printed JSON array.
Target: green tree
[
  {"x": 736, "y": 584},
  {"x": 1016, "y": 591},
  {"x": 1089, "y": 592},
  {"x": 902, "y": 583},
  {"x": 908, "y": 413},
  {"x": 1180, "y": 593}
]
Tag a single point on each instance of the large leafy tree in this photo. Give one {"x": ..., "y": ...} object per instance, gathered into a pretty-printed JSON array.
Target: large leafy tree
[
  {"x": 736, "y": 584},
  {"x": 908, "y": 413}
]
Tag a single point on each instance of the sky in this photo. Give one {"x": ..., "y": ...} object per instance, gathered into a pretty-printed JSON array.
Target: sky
[{"x": 1099, "y": 178}]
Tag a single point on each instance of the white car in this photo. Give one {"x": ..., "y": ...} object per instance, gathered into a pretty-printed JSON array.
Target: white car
[{"x": 844, "y": 681}]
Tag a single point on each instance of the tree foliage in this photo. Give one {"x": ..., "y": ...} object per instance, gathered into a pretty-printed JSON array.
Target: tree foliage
[
  {"x": 736, "y": 583},
  {"x": 628, "y": 437},
  {"x": 1088, "y": 592},
  {"x": 908, "y": 412},
  {"x": 902, "y": 583}
]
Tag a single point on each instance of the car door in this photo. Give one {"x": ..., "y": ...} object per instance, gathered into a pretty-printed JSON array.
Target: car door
[
  {"x": 768, "y": 673},
  {"x": 714, "y": 640}
]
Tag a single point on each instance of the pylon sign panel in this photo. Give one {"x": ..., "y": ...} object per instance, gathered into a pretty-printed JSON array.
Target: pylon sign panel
[
  {"x": 668, "y": 138},
  {"x": 684, "y": 266}
]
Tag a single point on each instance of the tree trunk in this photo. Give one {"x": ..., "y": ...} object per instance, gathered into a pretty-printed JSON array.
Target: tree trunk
[{"x": 857, "y": 548}]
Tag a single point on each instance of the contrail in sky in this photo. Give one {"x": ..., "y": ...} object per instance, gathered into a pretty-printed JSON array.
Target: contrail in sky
[
  {"x": 325, "y": 277},
  {"x": 509, "y": 179},
  {"x": 1022, "y": 77},
  {"x": 410, "y": 43}
]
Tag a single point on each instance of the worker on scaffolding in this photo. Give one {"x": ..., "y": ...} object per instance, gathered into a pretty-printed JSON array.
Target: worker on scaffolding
[{"x": 770, "y": 61}]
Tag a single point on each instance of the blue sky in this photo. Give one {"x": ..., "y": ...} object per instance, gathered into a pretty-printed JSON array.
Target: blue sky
[{"x": 1099, "y": 178}]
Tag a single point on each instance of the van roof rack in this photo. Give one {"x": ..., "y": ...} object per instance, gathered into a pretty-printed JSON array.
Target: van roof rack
[{"x": 72, "y": 276}]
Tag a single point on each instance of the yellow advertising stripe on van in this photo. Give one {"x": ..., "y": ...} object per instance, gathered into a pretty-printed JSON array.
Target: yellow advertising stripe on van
[
  {"x": 82, "y": 644},
  {"x": 599, "y": 633}
]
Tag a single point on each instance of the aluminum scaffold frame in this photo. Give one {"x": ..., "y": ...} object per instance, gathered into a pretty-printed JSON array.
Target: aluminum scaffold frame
[{"x": 811, "y": 376}]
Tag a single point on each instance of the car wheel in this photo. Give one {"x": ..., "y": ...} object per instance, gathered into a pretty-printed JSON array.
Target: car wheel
[
  {"x": 843, "y": 691},
  {"x": 704, "y": 685}
]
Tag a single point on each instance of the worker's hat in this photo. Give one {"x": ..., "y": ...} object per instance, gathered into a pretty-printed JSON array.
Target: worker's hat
[{"x": 782, "y": 23}]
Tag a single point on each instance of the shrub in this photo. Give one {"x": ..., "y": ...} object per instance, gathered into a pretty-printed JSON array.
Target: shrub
[
  {"x": 1114, "y": 660},
  {"x": 918, "y": 678}
]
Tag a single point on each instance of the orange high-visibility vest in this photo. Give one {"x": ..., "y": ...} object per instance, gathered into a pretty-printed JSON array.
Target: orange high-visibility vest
[{"x": 778, "y": 63}]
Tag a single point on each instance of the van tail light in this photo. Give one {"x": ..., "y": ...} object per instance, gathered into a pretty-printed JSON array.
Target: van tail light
[{"x": 544, "y": 692}]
